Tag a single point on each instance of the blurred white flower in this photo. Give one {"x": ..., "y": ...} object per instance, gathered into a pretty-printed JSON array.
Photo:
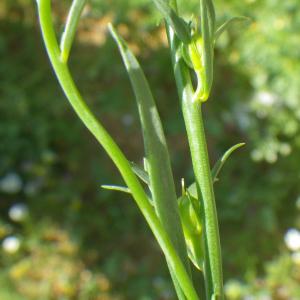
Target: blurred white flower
[
  {"x": 271, "y": 156},
  {"x": 11, "y": 183},
  {"x": 285, "y": 149},
  {"x": 292, "y": 239},
  {"x": 18, "y": 212},
  {"x": 257, "y": 155},
  {"x": 11, "y": 244},
  {"x": 266, "y": 98}
]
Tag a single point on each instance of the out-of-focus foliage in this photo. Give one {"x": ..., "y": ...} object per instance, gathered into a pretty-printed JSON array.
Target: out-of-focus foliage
[
  {"x": 48, "y": 266},
  {"x": 78, "y": 241}
]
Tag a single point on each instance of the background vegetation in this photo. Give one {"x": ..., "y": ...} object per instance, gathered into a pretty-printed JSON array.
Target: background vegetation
[{"x": 63, "y": 237}]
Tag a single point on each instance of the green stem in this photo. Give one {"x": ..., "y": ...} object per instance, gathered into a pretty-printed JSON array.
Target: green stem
[
  {"x": 65, "y": 79},
  {"x": 70, "y": 28},
  {"x": 197, "y": 141},
  {"x": 206, "y": 32}
]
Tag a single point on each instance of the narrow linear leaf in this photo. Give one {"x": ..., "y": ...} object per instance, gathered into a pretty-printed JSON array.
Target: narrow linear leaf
[
  {"x": 118, "y": 188},
  {"x": 192, "y": 189},
  {"x": 220, "y": 163},
  {"x": 141, "y": 173},
  {"x": 158, "y": 162},
  {"x": 70, "y": 28},
  {"x": 228, "y": 23},
  {"x": 179, "y": 26},
  {"x": 123, "y": 189}
]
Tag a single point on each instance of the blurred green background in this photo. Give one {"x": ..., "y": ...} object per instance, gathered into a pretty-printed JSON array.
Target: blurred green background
[{"x": 62, "y": 237}]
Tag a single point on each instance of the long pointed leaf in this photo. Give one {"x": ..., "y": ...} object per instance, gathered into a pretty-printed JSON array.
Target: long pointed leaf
[
  {"x": 122, "y": 189},
  {"x": 228, "y": 23},
  {"x": 118, "y": 188},
  {"x": 192, "y": 189},
  {"x": 158, "y": 161},
  {"x": 220, "y": 163},
  {"x": 141, "y": 173}
]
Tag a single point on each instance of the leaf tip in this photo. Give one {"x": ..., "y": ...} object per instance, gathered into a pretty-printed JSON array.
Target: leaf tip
[
  {"x": 111, "y": 28},
  {"x": 239, "y": 145}
]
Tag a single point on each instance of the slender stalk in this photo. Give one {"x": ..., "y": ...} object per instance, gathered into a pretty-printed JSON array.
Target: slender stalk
[
  {"x": 208, "y": 48},
  {"x": 70, "y": 28},
  {"x": 65, "y": 79},
  {"x": 197, "y": 141}
]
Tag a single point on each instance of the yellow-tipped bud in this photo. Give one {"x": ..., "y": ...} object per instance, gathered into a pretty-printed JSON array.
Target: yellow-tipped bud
[
  {"x": 195, "y": 51},
  {"x": 193, "y": 56}
]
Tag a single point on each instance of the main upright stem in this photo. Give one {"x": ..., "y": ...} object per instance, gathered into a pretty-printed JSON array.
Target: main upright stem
[
  {"x": 196, "y": 135},
  {"x": 192, "y": 114}
]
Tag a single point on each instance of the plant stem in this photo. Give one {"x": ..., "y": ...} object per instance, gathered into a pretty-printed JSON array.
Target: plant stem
[
  {"x": 197, "y": 141},
  {"x": 70, "y": 28},
  {"x": 65, "y": 79}
]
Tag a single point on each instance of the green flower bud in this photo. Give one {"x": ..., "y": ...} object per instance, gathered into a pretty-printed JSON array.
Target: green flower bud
[
  {"x": 192, "y": 229},
  {"x": 193, "y": 57}
]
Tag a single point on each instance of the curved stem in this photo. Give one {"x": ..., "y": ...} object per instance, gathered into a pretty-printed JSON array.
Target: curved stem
[{"x": 112, "y": 149}]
